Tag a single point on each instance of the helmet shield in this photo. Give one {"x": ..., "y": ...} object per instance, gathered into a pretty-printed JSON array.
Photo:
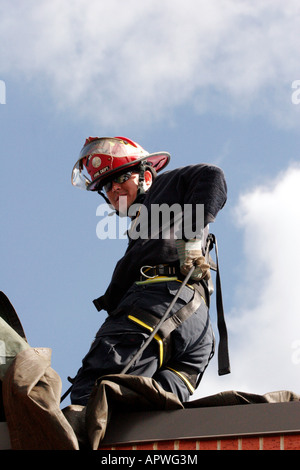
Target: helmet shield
[{"x": 101, "y": 158}]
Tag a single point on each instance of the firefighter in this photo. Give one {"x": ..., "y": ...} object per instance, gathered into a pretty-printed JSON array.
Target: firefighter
[{"x": 147, "y": 277}]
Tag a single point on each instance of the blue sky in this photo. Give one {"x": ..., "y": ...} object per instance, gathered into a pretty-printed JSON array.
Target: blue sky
[{"x": 211, "y": 82}]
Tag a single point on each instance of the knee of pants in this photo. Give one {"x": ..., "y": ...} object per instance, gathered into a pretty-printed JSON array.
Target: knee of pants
[
  {"x": 109, "y": 355},
  {"x": 171, "y": 382},
  {"x": 82, "y": 389}
]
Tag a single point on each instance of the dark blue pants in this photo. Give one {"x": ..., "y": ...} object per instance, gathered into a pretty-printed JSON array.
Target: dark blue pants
[{"x": 118, "y": 340}]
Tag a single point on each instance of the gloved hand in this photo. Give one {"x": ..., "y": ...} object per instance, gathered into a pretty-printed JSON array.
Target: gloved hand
[{"x": 190, "y": 253}]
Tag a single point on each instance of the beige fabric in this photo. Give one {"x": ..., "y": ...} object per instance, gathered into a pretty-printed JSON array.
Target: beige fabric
[
  {"x": 232, "y": 397},
  {"x": 31, "y": 398},
  {"x": 124, "y": 392},
  {"x": 115, "y": 393}
]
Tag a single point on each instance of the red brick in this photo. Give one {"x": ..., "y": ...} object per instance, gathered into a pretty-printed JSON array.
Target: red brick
[
  {"x": 165, "y": 445},
  {"x": 144, "y": 446},
  {"x": 292, "y": 442},
  {"x": 229, "y": 444},
  {"x": 250, "y": 443},
  {"x": 271, "y": 443},
  {"x": 287, "y": 442},
  {"x": 208, "y": 445},
  {"x": 124, "y": 447},
  {"x": 187, "y": 444}
]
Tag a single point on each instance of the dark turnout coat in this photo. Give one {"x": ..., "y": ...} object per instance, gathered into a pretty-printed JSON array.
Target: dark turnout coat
[{"x": 178, "y": 361}]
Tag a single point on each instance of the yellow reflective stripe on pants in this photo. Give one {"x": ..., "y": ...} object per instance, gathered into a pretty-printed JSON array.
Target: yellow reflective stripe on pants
[
  {"x": 157, "y": 337},
  {"x": 187, "y": 383}
]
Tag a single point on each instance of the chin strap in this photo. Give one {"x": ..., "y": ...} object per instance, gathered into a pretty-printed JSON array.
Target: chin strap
[
  {"x": 141, "y": 188},
  {"x": 104, "y": 197}
]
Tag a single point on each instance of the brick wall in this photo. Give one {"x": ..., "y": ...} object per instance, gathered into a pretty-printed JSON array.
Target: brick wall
[{"x": 285, "y": 442}]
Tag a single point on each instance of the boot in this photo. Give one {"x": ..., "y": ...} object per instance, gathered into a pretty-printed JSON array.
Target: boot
[{"x": 11, "y": 343}]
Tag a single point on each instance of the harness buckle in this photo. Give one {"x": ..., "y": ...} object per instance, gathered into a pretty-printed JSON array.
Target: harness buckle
[
  {"x": 158, "y": 270},
  {"x": 146, "y": 275}
]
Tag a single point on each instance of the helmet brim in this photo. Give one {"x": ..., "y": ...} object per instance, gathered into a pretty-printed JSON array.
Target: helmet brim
[{"x": 157, "y": 161}]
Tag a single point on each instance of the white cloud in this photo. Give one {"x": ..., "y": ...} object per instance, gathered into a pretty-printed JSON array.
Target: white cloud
[
  {"x": 265, "y": 323},
  {"x": 114, "y": 60}
]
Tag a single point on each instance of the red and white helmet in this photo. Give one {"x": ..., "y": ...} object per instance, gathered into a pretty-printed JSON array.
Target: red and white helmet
[{"x": 102, "y": 157}]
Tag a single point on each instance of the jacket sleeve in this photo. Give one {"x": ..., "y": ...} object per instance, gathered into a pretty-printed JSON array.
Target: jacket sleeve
[{"x": 203, "y": 184}]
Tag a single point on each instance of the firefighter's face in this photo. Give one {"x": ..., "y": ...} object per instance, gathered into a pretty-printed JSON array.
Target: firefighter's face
[{"x": 122, "y": 195}]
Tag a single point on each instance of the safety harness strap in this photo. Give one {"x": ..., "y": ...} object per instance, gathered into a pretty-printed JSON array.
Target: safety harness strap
[
  {"x": 182, "y": 314},
  {"x": 223, "y": 354},
  {"x": 149, "y": 321}
]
